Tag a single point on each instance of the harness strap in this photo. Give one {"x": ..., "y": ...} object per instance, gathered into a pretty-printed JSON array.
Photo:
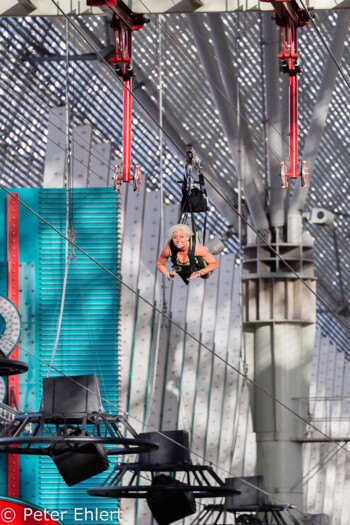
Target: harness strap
[
  {"x": 185, "y": 280},
  {"x": 192, "y": 252},
  {"x": 173, "y": 253}
]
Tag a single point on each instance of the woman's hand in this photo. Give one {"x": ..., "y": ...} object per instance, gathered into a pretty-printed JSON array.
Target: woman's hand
[
  {"x": 194, "y": 275},
  {"x": 170, "y": 276}
]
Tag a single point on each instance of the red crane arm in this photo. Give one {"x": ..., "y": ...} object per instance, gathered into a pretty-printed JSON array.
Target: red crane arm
[{"x": 290, "y": 16}]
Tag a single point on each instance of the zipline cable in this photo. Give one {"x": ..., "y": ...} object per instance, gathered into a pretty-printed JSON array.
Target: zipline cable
[
  {"x": 330, "y": 52},
  {"x": 181, "y": 328},
  {"x": 210, "y": 350},
  {"x": 149, "y": 427},
  {"x": 103, "y": 60},
  {"x": 311, "y": 290},
  {"x": 257, "y": 233}
]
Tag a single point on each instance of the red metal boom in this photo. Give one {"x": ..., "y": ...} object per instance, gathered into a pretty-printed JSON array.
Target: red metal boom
[
  {"x": 290, "y": 16},
  {"x": 124, "y": 22}
]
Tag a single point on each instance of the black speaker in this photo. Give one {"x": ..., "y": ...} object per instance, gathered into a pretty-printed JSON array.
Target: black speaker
[
  {"x": 168, "y": 451},
  {"x": 252, "y": 493},
  {"x": 172, "y": 505},
  {"x": 71, "y": 395},
  {"x": 78, "y": 462}
]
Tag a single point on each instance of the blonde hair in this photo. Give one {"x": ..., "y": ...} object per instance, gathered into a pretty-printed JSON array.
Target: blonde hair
[{"x": 182, "y": 227}]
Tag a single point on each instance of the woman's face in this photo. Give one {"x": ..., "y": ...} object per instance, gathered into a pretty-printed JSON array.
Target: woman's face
[{"x": 180, "y": 239}]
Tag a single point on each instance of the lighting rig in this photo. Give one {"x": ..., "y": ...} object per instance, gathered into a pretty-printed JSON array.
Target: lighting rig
[
  {"x": 250, "y": 506},
  {"x": 155, "y": 477},
  {"x": 72, "y": 429}
]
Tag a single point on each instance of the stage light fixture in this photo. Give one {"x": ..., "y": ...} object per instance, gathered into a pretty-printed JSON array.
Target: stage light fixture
[
  {"x": 73, "y": 429},
  {"x": 168, "y": 498}
]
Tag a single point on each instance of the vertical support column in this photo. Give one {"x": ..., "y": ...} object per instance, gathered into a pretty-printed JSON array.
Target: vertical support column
[
  {"x": 293, "y": 123},
  {"x": 127, "y": 128},
  {"x": 13, "y": 294},
  {"x": 274, "y": 126},
  {"x": 123, "y": 63},
  {"x": 293, "y": 104},
  {"x": 279, "y": 325}
]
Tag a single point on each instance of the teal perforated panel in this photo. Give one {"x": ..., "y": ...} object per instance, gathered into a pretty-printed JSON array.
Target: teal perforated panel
[
  {"x": 89, "y": 336},
  {"x": 88, "y": 340}
]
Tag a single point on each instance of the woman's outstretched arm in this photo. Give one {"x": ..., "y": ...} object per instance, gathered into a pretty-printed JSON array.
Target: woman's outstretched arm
[{"x": 162, "y": 259}]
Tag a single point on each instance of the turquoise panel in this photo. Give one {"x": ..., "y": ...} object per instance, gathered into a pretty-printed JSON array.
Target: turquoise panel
[{"x": 88, "y": 343}]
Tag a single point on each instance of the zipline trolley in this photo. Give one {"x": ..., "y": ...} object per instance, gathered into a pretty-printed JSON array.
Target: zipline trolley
[{"x": 194, "y": 195}]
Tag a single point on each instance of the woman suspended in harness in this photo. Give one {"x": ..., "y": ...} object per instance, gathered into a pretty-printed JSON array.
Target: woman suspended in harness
[{"x": 189, "y": 257}]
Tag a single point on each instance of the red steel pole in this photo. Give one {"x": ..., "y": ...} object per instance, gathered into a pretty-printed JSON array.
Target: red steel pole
[
  {"x": 13, "y": 294},
  {"x": 293, "y": 104},
  {"x": 293, "y": 124},
  {"x": 127, "y": 103}
]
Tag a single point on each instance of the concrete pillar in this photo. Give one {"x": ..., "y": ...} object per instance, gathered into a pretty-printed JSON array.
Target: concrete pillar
[{"x": 279, "y": 328}]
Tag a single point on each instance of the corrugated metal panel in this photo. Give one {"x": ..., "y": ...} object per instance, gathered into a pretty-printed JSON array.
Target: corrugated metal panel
[
  {"x": 193, "y": 390},
  {"x": 326, "y": 465},
  {"x": 89, "y": 337}
]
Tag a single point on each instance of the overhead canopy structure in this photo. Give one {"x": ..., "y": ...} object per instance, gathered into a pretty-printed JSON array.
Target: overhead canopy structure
[
  {"x": 194, "y": 80},
  {"x": 77, "y": 7}
]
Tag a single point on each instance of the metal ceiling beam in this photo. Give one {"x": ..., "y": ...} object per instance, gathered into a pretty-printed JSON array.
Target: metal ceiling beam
[
  {"x": 230, "y": 81},
  {"x": 86, "y": 57},
  {"x": 106, "y": 51},
  {"x": 229, "y": 122},
  {"x": 320, "y": 112},
  {"x": 92, "y": 36},
  {"x": 45, "y": 8},
  {"x": 220, "y": 6},
  {"x": 273, "y": 111},
  {"x": 78, "y": 7}
]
